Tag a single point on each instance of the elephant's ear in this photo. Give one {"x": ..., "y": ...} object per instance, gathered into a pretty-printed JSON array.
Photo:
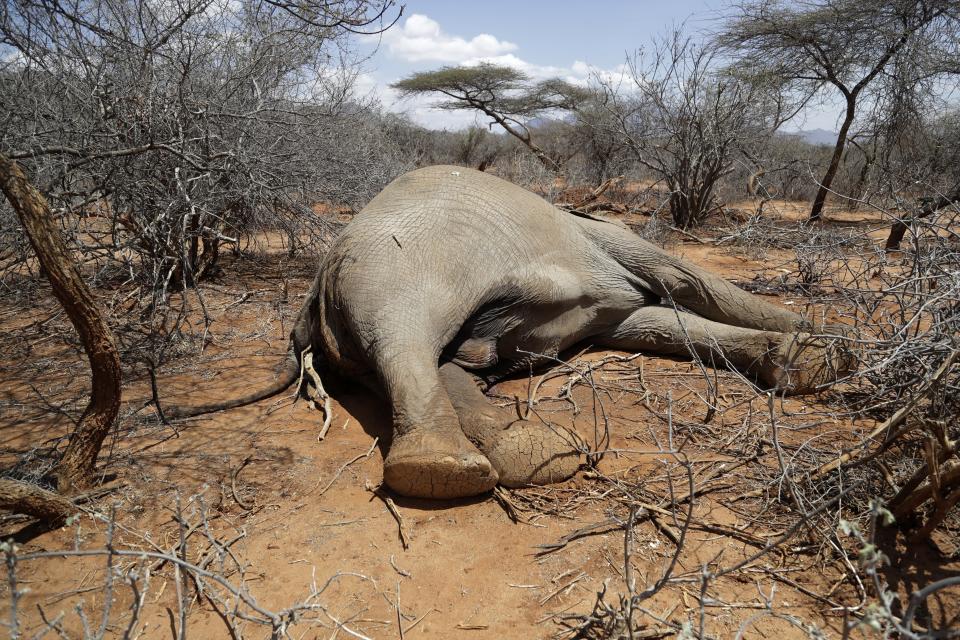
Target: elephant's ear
[{"x": 592, "y": 216}]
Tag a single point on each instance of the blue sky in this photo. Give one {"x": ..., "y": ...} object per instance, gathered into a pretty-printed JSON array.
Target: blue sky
[{"x": 559, "y": 38}]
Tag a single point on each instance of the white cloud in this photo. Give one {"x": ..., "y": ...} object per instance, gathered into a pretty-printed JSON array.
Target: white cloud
[
  {"x": 579, "y": 73},
  {"x": 421, "y": 39},
  {"x": 535, "y": 71},
  {"x": 365, "y": 85}
]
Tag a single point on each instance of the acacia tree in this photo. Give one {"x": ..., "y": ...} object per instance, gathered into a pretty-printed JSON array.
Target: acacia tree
[
  {"x": 504, "y": 94},
  {"x": 843, "y": 44}
]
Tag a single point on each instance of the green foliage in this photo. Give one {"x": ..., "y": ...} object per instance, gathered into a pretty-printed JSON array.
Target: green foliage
[
  {"x": 500, "y": 89},
  {"x": 482, "y": 83}
]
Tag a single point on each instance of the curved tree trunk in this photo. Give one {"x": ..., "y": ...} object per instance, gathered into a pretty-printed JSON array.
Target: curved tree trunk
[
  {"x": 75, "y": 469},
  {"x": 817, "y": 210}
]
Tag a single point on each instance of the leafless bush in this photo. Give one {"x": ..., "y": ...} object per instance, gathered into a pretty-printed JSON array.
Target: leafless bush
[
  {"x": 519, "y": 167},
  {"x": 816, "y": 256},
  {"x": 655, "y": 229},
  {"x": 478, "y": 148},
  {"x": 601, "y": 152},
  {"x": 138, "y": 571},
  {"x": 681, "y": 116},
  {"x": 783, "y": 164},
  {"x": 161, "y": 133}
]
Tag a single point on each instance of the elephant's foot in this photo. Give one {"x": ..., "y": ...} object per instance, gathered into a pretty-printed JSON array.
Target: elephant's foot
[
  {"x": 523, "y": 452},
  {"x": 429, "y": 464},
  {"x": 802, "y": 362}
]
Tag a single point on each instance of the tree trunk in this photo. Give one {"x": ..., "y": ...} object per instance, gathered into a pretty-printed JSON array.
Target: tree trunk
[
  {"x": 817, "y": 210},
  {"x": 76, "y": 467},
  {"x": 899, "y": 228}
]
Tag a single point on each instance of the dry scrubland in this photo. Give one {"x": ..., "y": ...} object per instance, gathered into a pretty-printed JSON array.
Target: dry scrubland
[
  {"x": 173, "y": 171},
  {"x": 708, "y": 506}
]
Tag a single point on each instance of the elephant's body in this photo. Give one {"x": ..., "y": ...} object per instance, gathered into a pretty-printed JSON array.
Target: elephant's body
[
  {"x": 447, "y": 256},
  {"x": 451, "y": 264}
]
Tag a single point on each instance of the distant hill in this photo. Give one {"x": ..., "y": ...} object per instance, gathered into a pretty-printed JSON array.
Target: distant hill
[
  {"x": 543, "y": 121},
  {"x": 816, "y": 136}
]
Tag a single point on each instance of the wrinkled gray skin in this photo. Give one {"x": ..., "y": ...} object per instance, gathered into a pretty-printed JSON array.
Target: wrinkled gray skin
[{"x": 450, "y": 269}]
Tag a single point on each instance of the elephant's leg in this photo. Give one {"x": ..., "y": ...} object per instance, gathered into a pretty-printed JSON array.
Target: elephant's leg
[
  {"x": 688, "y": 285},
  {"x": 794, "y": 362},
  {"x": 429, "y": 457},
  {"x": 522, "y": 452}
]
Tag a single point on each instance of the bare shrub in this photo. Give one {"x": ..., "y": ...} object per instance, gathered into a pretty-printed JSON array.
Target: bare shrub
[
  {"x": 137, "y": 573},
  {"x": 162, "y": 133},
  {"x": 682, "y": 116}
]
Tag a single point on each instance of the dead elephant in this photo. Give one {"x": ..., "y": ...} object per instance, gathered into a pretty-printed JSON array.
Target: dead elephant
[{"x": 450, "y": 270}]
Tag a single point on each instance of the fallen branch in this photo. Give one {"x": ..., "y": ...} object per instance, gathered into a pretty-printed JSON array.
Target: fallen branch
[
  {"x": 593, "y": 195},
  {"x": 890, "y": 423},
  {"x": 31, "y": 500},
  {"x": 343, "y": 467},
  {"x": 387, "y": 500}
]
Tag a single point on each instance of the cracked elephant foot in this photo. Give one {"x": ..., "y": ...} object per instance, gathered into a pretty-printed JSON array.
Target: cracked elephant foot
[
  {"x": 525, "y": 452},
  {"x": 802, "y": 363},
  {"x": 427, "y": 464},
  {"x": 522, "y": 452}
]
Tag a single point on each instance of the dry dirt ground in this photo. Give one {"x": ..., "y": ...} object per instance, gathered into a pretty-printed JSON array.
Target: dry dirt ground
[{"x": 254, "y": 496}]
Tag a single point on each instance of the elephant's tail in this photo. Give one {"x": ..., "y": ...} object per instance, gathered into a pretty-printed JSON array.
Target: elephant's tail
[
  {"x": 301, "y": 340},
  {"x": 286, "y": 377}
]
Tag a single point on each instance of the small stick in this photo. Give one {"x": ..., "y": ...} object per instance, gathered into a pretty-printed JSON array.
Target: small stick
[
  {"x": 233, "y": 484},
  {"x": 402, "y": 572},
  {"x": 502, "y": 496},
  {"x": 553, "y": 593},
  {"x": 240, "y": 300},
  {"x": 344, "y": 466},
  {"x": 387, "y": 500},
  {"x": 399, "y": 617},
  {"x": 417, "y": 621}
]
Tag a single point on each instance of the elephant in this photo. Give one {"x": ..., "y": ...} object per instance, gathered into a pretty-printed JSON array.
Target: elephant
[{"x": 450, "y": 273}]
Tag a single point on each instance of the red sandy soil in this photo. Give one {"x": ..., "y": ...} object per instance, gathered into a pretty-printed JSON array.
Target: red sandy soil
[{"x": 301, "y": 514}]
